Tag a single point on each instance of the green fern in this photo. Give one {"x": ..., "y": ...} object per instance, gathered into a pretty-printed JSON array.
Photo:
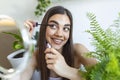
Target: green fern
[
  {"x": 107, "y": 44},
  {"x": 102, "y": 40}
]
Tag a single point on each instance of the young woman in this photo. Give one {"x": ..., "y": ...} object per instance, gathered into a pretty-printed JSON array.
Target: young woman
[{"x": 57, "y": 57}]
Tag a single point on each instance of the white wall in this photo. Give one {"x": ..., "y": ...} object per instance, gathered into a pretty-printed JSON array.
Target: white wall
[
  {"x": 18, "y": 9},
  {"x": 105, "y": 10}
]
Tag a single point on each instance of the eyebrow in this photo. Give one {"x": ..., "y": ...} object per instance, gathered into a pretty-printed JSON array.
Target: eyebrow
[
  {"x": 54, "y": 22},
  {"x": 58, "y": 23}
]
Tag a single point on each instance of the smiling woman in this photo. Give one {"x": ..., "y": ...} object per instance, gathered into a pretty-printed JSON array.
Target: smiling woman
[
  {"x": 58, "y": 30},
  {"x": 62, "y": 60}
]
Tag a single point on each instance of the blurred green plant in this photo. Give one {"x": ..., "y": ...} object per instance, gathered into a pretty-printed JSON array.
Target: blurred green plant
[
  {"x": 107, "y": 51},
  {"x": 18, "y": 43},
  {"x": 41, "y": 7}
]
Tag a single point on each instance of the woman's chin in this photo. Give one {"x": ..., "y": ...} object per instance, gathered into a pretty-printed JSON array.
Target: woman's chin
[{"x": 57, "y": 47}]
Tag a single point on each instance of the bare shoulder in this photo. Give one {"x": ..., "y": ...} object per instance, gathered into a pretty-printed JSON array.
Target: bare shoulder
[{"x": 80, "y": 49}]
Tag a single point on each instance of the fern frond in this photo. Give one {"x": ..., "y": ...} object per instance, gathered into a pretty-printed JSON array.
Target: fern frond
[
  {"x": 98, "y": 33},
  {"x": 107, "y": 43}
]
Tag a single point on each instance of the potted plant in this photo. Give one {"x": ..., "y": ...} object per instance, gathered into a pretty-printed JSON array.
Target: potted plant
[
  {"x": 16, "y": 57},
  {"x": 107, "y": 51}
]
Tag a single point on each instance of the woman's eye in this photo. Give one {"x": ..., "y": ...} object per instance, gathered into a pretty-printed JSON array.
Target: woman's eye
[
  {"x": 66, "y": 29},
  {"x": 52, "y": 26}
]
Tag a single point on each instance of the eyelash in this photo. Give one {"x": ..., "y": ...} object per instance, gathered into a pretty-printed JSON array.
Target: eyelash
[
  {"x": 53, "y": 26},
  {"x": 68, "y": 29}
]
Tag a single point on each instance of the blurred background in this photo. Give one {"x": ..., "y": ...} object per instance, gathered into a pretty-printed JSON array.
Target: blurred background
[{"x": 105, "y": 10}]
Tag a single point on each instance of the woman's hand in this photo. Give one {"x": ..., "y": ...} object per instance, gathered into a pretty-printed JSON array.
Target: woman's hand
[
  {"x": 29, "y": 24},
  {"x": 56, "y": 62}
]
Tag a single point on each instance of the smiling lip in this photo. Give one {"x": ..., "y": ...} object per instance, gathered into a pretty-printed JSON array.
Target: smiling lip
[{"x": 57, "y": 41}]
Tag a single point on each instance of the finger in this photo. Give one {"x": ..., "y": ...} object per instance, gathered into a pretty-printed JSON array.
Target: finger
[
  {"x": 33, "y": 23},
  {"x": 50, "y": 66},
  {"x": 50, "y": 61},
  {"x": 28, "y": 25},
  {"x": 52, "y": 50},
  {"x": 50, "y": 56}
]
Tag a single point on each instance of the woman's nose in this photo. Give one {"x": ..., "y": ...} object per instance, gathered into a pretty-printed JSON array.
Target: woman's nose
[{"x": 59, "y": 33}]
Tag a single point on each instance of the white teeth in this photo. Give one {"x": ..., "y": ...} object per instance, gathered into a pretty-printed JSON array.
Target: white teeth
[{"x": 58, "y": 41}]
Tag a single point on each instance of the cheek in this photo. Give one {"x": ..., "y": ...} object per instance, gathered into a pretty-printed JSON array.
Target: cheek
[
  {"x": 67, "y": 36},
  {"x": 49, "y": 33}
]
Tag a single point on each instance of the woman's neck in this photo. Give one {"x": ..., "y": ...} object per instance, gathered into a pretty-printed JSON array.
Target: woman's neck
[{"x": 60, "y": 50}]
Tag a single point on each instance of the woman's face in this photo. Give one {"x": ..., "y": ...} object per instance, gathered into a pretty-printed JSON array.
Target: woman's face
[{"x": 58, "y": 30}]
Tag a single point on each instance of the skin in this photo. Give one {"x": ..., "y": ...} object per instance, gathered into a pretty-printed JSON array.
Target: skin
[{"x": 57, "y": 34}]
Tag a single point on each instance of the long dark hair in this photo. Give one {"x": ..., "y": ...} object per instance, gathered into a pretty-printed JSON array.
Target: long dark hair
[{"x": 67, "y": 51}]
